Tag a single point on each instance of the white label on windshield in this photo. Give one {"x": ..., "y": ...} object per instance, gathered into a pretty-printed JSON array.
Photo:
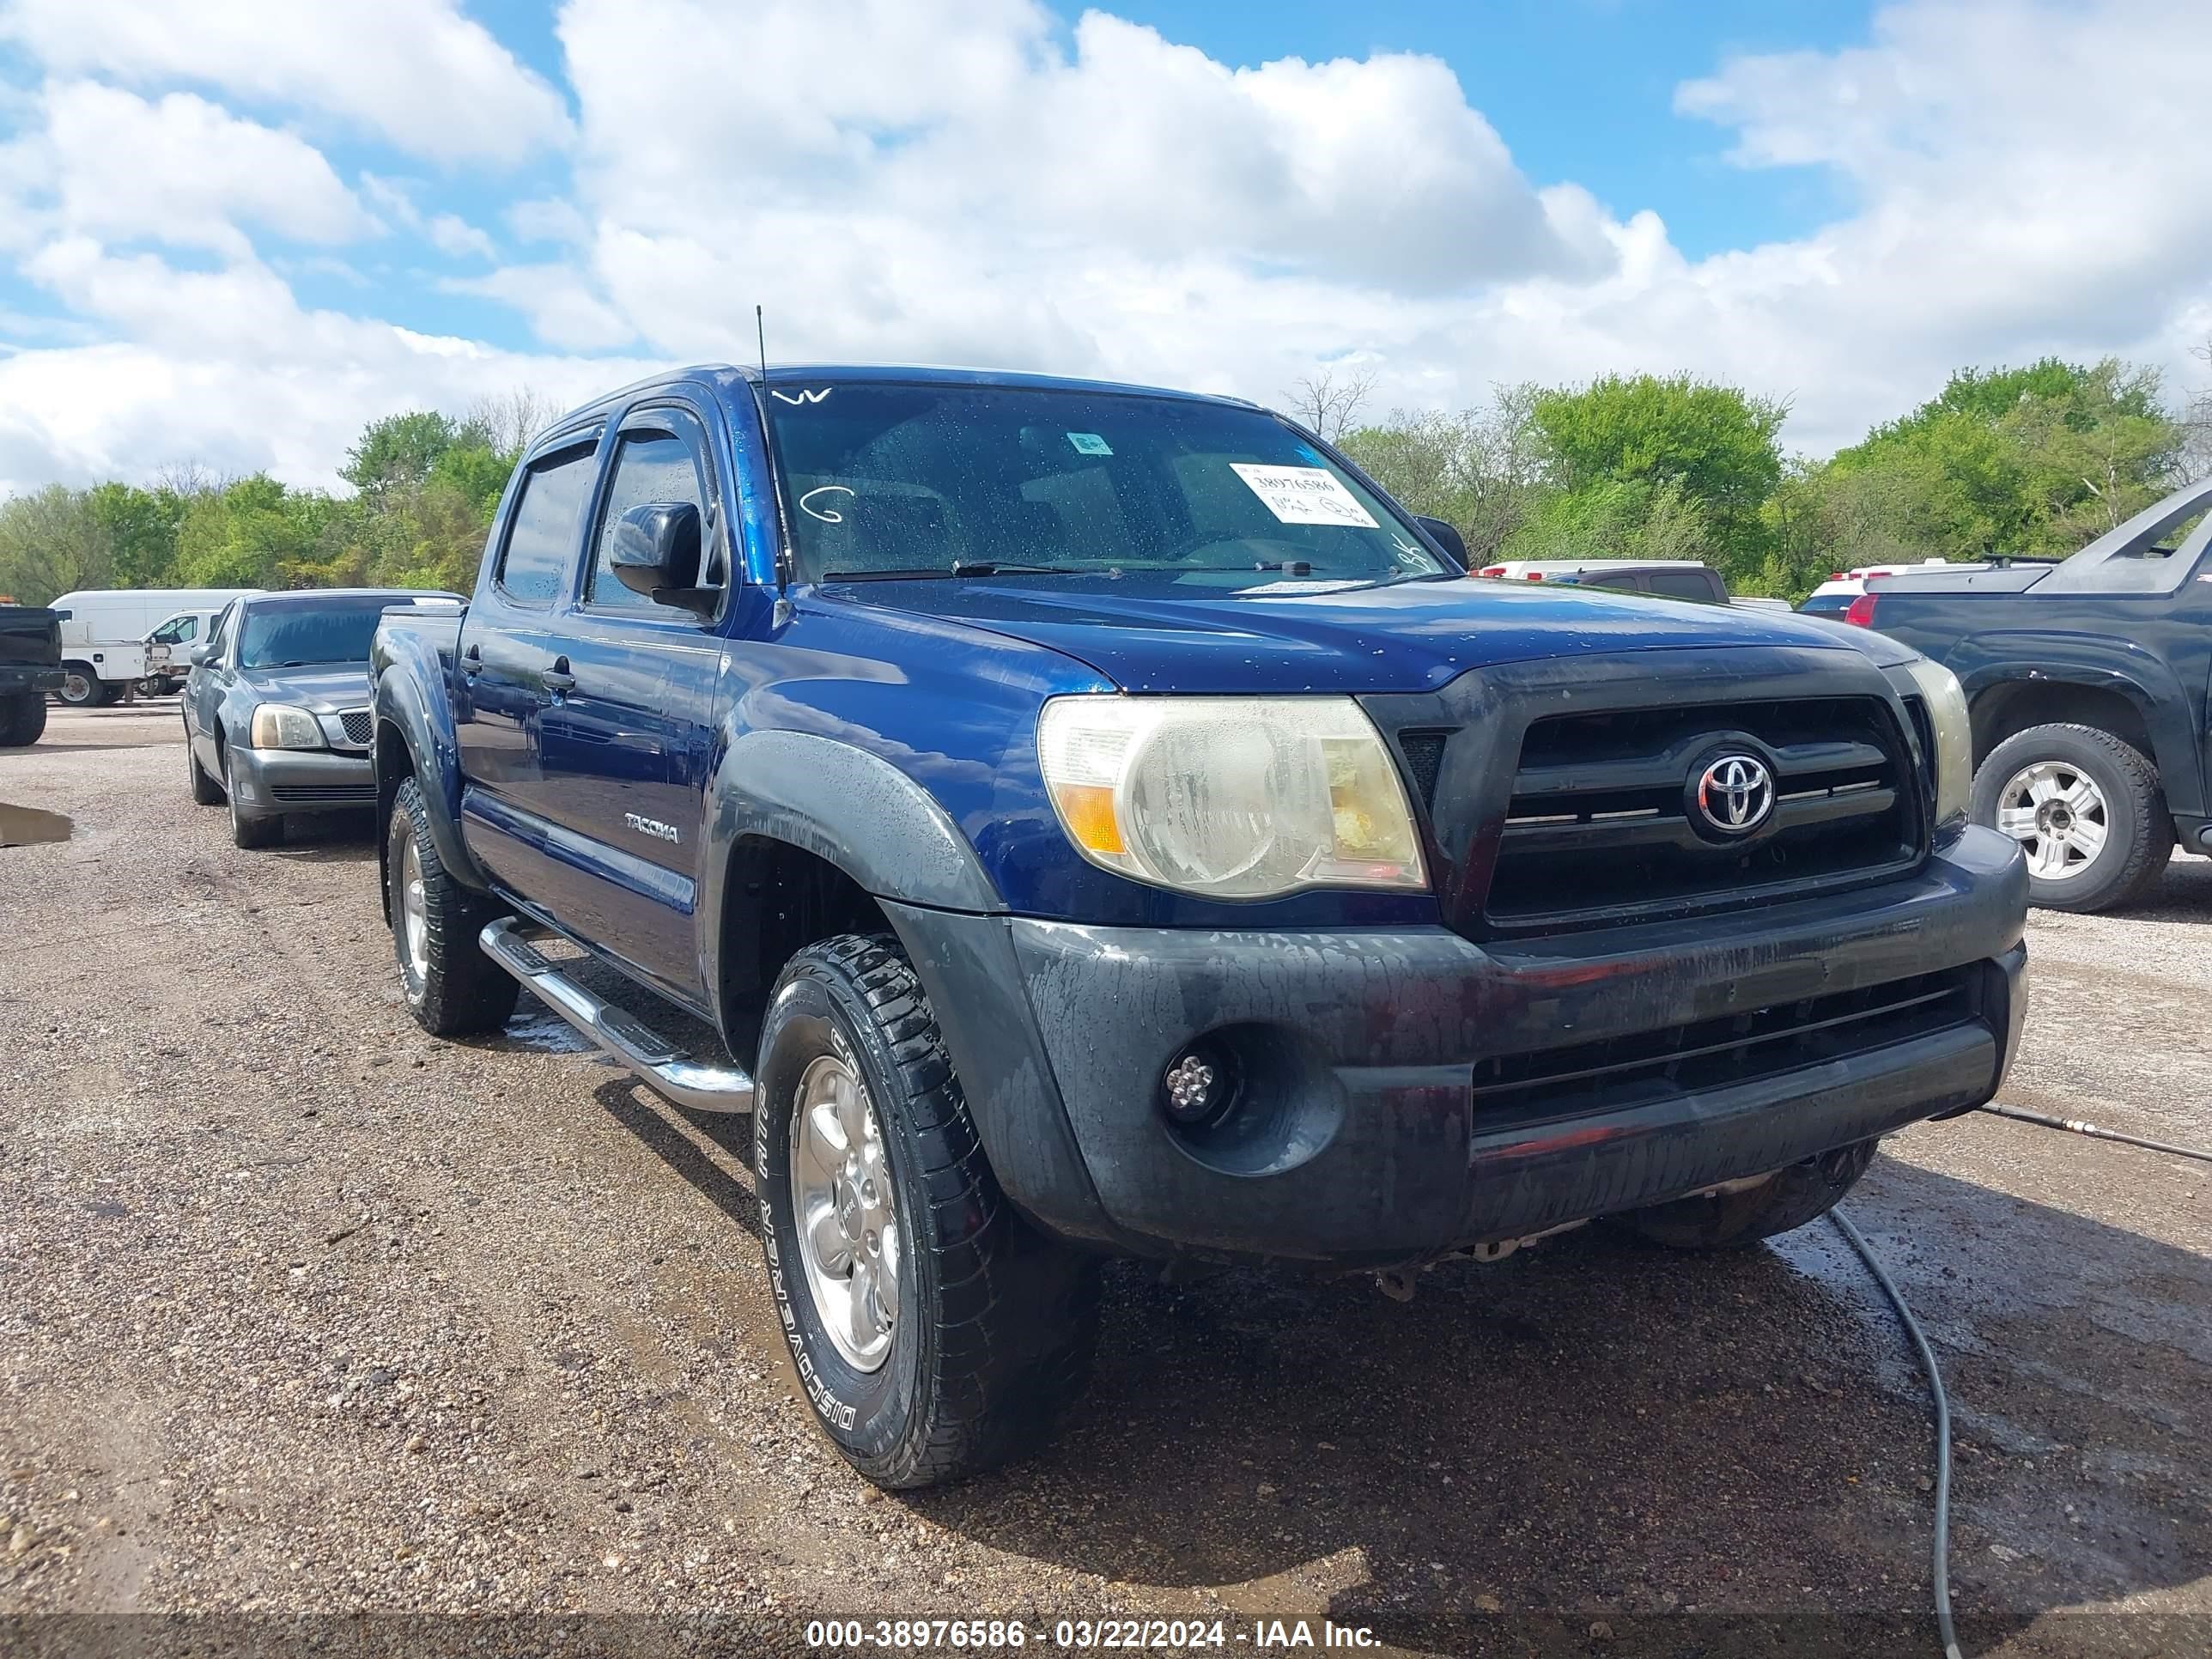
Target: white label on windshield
[
  {"x": 1090, "y": 443},
  {"x": 1304, "y": 494}
]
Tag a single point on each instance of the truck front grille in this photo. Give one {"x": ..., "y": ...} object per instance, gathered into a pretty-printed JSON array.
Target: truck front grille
[
  {"x": 356, "y": 724},
  {"x": 1599, "y": 825},
  {"x": 1650, "y": 1067}
]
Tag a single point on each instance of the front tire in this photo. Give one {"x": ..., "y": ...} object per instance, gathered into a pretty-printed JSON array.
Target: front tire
[
  {"x": 23, "y": 720},
  {"x": 935, "y": 1332},
  {"x": 1786, "y": 1200},
  {"x": 247, "y": 830},
  {"x": 2086, "y": 808},
  {"x": 452, "y": 989}
]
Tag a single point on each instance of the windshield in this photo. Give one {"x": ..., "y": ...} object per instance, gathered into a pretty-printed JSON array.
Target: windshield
[
  {"x": 884, "y": 480},
  {"x": 295, "y": 634}
]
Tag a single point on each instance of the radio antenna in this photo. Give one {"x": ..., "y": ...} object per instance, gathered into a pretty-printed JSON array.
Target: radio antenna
[{"x": 760, "y": 328}]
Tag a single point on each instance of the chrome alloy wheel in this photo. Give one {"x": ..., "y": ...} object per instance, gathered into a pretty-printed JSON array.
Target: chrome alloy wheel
[
  {"x": 2059, "y": 815},
  {"x": 840, "y": 1198},
  {"x": 414, "y": 913}
]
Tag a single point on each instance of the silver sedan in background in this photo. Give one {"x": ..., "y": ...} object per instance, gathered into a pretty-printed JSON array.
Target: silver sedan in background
[{"x": 276, "y": 706}]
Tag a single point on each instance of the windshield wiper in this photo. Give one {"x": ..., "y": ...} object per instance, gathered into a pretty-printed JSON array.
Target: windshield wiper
[
  {"x": 1011, "y": 568},
  {"x": 966, "y": 568}
]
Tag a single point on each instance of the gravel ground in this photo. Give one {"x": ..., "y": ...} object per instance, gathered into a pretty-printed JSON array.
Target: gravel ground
[{"x": 306, "y": 1314}]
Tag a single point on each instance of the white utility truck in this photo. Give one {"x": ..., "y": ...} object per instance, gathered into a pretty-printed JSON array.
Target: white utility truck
[{"x": 131, "y": 638}]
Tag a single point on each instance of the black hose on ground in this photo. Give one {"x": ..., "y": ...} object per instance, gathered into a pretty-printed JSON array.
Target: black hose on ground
[
  {"x": 1941, "y": 1550},
  {"x": 2074, "y": 1126}
]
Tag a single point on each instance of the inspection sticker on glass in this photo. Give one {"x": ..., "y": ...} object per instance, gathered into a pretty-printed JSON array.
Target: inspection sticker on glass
[
  {"x": 1090, "y": 443},
  {"x": 1304, "y": 494}
]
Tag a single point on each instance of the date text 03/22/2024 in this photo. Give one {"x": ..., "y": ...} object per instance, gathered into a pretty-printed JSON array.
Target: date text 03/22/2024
[{"x": 1161, "y": 1635}]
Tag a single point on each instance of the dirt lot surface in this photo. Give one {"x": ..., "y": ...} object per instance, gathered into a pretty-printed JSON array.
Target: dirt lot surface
[{"x": 305, "y": 1313}]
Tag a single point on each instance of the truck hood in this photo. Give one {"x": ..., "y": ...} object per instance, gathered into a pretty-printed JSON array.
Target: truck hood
[
  {"x": 1150, "y": 636},
  {"x": 325, "y": 689}
]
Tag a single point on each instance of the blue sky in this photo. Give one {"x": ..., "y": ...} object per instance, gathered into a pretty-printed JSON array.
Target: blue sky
[{"x": 234, "y": 233}]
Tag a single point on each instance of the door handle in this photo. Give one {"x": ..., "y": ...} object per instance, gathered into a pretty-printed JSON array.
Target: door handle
[
  {"x": 472, "y": 661},
  {"x": 557, "y": 679}
]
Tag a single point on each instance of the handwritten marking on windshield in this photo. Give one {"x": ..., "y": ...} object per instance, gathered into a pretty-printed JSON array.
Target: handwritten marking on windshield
[
  {"x": 811, "y": 395},
  {"x": 824, "y": 513}
]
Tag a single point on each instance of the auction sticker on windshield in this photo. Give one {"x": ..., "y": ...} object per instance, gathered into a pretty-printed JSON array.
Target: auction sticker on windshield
[{"x": 1304, "y": 494}]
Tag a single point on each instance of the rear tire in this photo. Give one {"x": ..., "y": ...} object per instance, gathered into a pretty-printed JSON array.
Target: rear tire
[
  {"x": 1786, "y": 1200},
  {"x": 246, "y": 830},
  {"x": 452, "y": 989},
  {"x": 2105, "y": 787},
  {"x": 993, "y": 1325},
  {"x": 81, "y": 687},
  {"x": 22, "y": 718}
]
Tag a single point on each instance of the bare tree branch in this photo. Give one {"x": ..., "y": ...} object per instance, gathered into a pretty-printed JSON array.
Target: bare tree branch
[{"x": 1329, "y": 405}]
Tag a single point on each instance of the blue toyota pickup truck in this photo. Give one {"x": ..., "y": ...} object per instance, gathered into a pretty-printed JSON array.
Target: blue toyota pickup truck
[{"x": 1099, "y": 820}]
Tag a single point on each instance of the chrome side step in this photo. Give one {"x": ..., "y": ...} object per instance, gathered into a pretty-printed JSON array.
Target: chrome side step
[{"x": 627, "y": 1040}]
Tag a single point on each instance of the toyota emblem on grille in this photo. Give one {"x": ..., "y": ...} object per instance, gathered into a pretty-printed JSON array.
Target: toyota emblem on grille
[{"x": 1734, "y": 794}]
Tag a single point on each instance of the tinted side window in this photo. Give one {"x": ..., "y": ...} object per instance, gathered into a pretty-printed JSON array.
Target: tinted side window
[
  {"x": 1685, "y": 585},
  {"x": 1625, "y": 582},
  {"x": 219, "y": 631},
  {"x": 541, "y": 540},
  {"x": 651, "y": 466}
]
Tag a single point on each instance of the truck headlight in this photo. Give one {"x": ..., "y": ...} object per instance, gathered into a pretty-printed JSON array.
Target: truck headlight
[
  {"x": 280, "y": 726},
  {"x": 1953, "y": 730},
  {"x": 1238, "y": 798}
]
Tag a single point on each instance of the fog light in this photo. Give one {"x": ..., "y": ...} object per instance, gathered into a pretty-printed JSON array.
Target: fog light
[{"x": 1198, "y": 1086}]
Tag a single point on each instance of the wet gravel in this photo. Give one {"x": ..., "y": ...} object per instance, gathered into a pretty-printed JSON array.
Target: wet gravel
[{"x": 305, "y": 1314}]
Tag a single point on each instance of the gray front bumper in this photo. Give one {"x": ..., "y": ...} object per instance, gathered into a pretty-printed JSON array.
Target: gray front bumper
[
  {"x": 270, "y": 782},
  {"x": 1371, "y": 1141}
]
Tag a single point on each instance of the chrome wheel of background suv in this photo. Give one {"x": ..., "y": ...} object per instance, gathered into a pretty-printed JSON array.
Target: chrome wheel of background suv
[
  {"x": 840, "y": 1194},
  {"x": 2057, "y": 812}
]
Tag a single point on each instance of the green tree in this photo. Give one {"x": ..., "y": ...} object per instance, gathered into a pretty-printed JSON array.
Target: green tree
[
  {"x": 141, "y": 528},
  {"x": 2038, "y": 460},
  {"x": 1482, "y": 471},
  {"x": 477, "y": 470},
  {"x": 51, "y": 543},
  {"x": 1687, "y": 444},
  {"x": 254, "y": 533},
  {"x": 400, "y": 449}
]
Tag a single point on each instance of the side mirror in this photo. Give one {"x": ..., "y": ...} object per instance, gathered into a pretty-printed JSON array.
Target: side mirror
[
  {"x": 1445, "y": 537},
  {"x": 656, "y": 553},
  {"x": 195, "y": 655}
]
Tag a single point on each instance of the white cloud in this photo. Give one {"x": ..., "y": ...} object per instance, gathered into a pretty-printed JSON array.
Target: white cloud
[
  {"x": 226, "y": 369},
  {"x": 927, "y": 179},
  {"x": 416, "y": 72},
  {"x": 448, "y": 232},
  {"x": 109, "y": 164},
  {"x": 971, "y": 115},
  {"x": 560, "y": 306}
]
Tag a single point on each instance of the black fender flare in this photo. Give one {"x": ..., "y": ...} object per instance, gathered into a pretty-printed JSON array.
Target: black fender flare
[
  {"x": 2147, "y": 685},
  {"x": 433, "y": 759},
  {"x": 847, "y": 805}
]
